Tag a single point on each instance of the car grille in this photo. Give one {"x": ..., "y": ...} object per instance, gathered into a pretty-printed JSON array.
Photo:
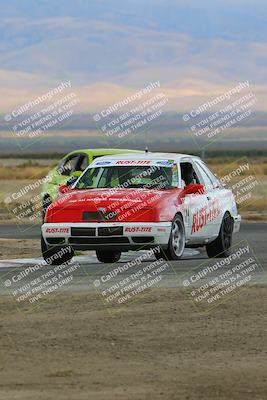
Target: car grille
[
  {"x": 99, "y": 216},
  {"x": 112, "y": 231},
  {"x": 98, "y": 240},
  {"x": 83, "y": 231}
]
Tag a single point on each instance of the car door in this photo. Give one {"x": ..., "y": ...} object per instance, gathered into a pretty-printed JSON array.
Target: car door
[
  {"x": 214, "y": 195},
  {"x": 62, "y": 173},
  {"x": 59, "y": 175},
  {"x": 195, "y": 205}
]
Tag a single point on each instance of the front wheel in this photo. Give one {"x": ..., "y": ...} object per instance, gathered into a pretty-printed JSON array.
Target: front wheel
[
  {"x": 46, "y": 203},
  {"x": 176, "y": 242},
  {"x": 56, "y": 255},
  {"x": 221, "y": 246},
  {"x": 108, "y": 256}
]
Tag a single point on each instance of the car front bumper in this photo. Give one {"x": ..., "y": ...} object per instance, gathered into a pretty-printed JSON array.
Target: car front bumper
[{"x": 103, "y": 235}]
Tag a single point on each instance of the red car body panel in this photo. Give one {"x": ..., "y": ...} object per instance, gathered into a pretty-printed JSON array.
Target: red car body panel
[{"x": 121, "y": 205}]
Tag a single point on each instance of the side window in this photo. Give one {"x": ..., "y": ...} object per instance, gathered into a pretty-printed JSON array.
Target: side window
[
  {"x": 216, "y": 181},
  {"x": 205, "y": 177},
  {"x": 213, "y": 179},
  {"x": 188, "y": 173},
  {"x": 68, "y": 165},
  {"x": 82, "y": 163}
]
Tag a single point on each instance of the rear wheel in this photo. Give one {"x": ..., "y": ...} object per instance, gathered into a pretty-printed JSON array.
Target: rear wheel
[
  {"x": 176, "y": 243},
  {"x": 108, "y": 256},
  {"x": 56, "y": 255},
  {"x": 221, "y": 246}
]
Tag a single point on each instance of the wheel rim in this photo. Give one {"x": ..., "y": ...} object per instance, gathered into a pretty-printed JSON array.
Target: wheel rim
[
  {"x": 178, "y": 238},
  {"x": 227, "y": 232}
]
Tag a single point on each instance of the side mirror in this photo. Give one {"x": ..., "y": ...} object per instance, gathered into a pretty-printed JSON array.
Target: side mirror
[
  {"x": 66, "y": 187},
  {"x": 71, "y": 181},
  {"x": 194, "y": 188}
]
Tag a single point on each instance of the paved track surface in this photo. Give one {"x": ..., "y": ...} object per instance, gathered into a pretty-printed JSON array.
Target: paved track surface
[
  {"x": 89, "y": 270},
  {"x": 13, "y": 231}
]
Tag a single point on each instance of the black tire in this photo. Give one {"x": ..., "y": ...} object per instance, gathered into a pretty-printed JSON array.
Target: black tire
[
  {"x": 52, "y": 256},
  {"x": 221, "y": 246},
  {"x": 46, "y": 203},
  {"x": 161, "y": 254},
  {"x": 108, "y": 256},
  {"x": 176, "y": 242}
]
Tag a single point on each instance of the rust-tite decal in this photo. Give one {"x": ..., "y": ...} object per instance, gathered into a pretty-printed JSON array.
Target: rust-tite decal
[
  {"x": 134, "y": 162},
  {"x": 57, "y": 230},
  {"x": 205, "y": 215},
  {"x": 138, "y": 229}
]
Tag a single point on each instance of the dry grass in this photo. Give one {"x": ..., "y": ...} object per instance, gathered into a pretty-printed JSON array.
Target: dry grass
[
  {"x": 23, "y": 172},
  {"x": 220, "y": 167},
  {"x": 32, "y": 169},
  {"x": 257, "y": 203},
  {"x": 14, "y": 177}
]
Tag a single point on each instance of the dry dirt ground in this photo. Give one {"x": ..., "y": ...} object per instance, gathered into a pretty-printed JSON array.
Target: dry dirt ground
[
  {"x": 19, "y": 248},
  {"x": 23, "y": 248},
  {"x": 161, "y": 347}
]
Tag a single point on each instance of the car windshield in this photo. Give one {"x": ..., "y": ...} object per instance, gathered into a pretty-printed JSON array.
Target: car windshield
[{"x": 128, "y": 177}]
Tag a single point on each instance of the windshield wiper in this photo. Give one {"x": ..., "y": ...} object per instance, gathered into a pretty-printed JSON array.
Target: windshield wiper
[
  {"x": 137, "y": 185},
  {"x": 160, "y": 188}
]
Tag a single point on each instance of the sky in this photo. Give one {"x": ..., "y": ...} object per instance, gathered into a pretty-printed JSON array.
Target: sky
[{"x": 109, "y": 49}]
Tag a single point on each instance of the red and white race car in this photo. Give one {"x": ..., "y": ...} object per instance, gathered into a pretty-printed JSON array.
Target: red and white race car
[{"x": 140, "y": 201}]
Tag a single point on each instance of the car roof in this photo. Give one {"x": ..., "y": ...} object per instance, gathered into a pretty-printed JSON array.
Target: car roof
[
  {"x": 147, "y": 156},
  {"x": 105, "y": 151}
]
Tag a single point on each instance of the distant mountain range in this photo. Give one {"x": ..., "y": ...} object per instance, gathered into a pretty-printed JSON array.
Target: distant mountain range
[
  {"x": 168, "y": 133},
  {"x": 168, "y": 122},
  {"x": 194, "y": 49}
]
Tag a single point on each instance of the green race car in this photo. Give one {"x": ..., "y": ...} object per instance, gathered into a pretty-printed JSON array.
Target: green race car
[{"x": 72, "y": 165}]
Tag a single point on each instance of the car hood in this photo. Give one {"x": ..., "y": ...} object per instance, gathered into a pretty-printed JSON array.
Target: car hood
[
  {"x": 112, "y": 198},
  {"x": 114, "y": 204}
]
